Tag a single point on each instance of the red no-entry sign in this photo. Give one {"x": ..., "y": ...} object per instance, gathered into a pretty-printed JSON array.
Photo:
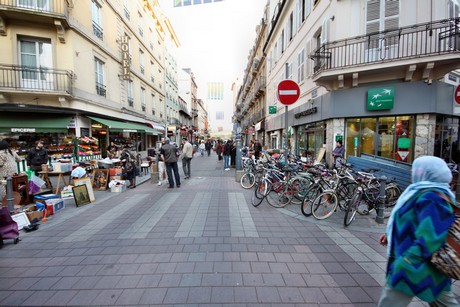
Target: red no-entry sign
[
  {"x": 288, "y": 92},
  {"x": 457, "y": 95}
]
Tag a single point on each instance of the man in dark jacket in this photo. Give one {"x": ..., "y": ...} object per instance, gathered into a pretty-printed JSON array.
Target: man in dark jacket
[
  {"x": 257, "y": 149},
  {"x": 208, "y": 147},
  {"x": 169, "y": 154},
  {"x": 36, "y": 157}
]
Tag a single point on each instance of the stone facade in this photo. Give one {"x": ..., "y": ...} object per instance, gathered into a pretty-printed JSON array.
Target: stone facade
[{"x": 424, "y": 135}]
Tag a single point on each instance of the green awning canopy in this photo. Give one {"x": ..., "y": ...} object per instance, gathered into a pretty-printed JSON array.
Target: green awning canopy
[
  {"x": 118, "y": 126},
  {"x": 38, "y": 122}
]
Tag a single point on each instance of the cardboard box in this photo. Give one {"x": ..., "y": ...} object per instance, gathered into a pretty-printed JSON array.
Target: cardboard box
[
  {"x": 43, "y": 198},
  {"x": 62, "y": 167},
  {"x": 69, "y": 201},
  {"x": 116, "y": 177},
  {"x": 57, "y": 203},
  {"x": 118, "y": 188},
  {"x": 33, "y": 214}
]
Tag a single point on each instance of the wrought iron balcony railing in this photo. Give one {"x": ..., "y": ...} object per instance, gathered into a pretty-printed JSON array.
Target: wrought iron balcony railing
[
  {"x": 52, "y": 7},
  {"x": 98, "y": 31},
  {"x": 35, "y": 79},
  {"x": 100, "y": 89},
  {"x": 421, "y": 40}
]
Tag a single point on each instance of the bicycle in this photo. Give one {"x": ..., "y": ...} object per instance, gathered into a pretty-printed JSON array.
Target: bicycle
[
  {"x": 367, "y": 198},
  {"x": 339, "y": 195}
]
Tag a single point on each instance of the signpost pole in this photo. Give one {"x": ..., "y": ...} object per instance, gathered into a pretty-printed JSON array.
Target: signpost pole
[{"x": 286, "y": 126}]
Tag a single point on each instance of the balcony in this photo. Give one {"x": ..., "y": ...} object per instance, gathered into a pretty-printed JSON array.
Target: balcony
[
  {"x": 35, "y": 79},
  {"x": 98, "y": 31},
  {"x": 419, "y": 52},
  {"x": 260, "y": 86},
  {"x": 42, "y": 11},
  {"x": 100, "y": 89}
]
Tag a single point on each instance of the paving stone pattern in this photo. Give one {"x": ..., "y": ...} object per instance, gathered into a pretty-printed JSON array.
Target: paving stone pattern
[{"x": 202, "y": 244}]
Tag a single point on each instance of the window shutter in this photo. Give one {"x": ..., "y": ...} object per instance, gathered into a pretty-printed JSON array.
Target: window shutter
[
  {"x": 309, "y": 62},
  {"x": 391, "y": 14},
  {"x": 324, "y": 31}
]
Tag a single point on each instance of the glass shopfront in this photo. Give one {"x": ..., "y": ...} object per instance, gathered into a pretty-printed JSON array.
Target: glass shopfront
[
  {"x": 310, "y": 138},
  {"x": 387, "y": 137},
  {"x": 446, "y": 139}
]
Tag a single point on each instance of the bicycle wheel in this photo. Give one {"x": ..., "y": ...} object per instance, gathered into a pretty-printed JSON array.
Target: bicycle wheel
[
  {"x": 299, "y": 186},
  {"x": 247, "y": 180},
  {"x": 279, "y": 194},
  {"x": 352, "y": 208},
  {"x": 312, "y": 192},
  {"x": 324, "y": 205},
  {"x": 392, "y": 193},
  {"x": 259, "y": 193}
]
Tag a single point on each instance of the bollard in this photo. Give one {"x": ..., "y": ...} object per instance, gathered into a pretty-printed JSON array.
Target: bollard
[
  {"x": 9, "y": 194},
  {"x": 382, "y": 197},
  {"x": 238, "y": 154}
]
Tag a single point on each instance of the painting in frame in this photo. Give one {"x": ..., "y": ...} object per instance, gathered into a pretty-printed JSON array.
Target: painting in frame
[
  {"x": 100, "y": 179},
  {"x": 80, "y": 193},
  {"x": 86, "y": 181}
]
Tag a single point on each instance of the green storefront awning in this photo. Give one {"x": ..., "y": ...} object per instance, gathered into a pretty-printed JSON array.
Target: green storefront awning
[
  {"x": 33, "y": 123},
  {"x": 118, "y": 126}
]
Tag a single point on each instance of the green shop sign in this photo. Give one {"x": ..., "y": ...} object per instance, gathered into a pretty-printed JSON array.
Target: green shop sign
[
  {"x": 380, "y": 98},
  {"x": 271, "y": 109}
]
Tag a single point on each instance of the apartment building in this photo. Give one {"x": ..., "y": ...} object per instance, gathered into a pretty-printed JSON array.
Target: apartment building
[
  {"x": 381, "y": 75},
  {"x": 74, "y": 69}
]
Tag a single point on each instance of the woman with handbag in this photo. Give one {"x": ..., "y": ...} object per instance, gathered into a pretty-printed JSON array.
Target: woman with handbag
[
  {"x": 418, "y": 227},
  {"x": 8, "y": 167},
  {"x": 129, "y": 166}
]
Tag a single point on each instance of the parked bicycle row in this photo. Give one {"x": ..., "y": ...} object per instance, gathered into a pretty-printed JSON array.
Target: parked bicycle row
[{"x": 318, "y": 190}]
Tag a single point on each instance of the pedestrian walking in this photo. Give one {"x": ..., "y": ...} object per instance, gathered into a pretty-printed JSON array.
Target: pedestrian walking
[
  {"x": 208, "y": 147},
  {"x": 219, "y": 150},
  {"x": 8, "y": 167},
  {"x": 338, "y": 154},
  {"x": 227, "y": 152},
  {"x": 161, "y": 165},
  {"x": 37, "y": 156},
  {"x": 418, "y": 226},
  {"x": 187, "y": 155},
  {"x": 202, "y": 148},
  {"x": 170, "y": 153}
]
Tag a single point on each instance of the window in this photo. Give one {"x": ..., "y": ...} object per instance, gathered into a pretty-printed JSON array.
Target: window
[
  {"x": 97, "y": 19},
  {"x": 130, "y": 93},
  {"x": 141, "y": 61},
  {"x": 152, "y": 71},
  {"x": 141, "y": 25},
  {"x": 143, "y": 98},
  {"x": 152, "y": 99},
  {"x": 42, "y": 5},
  {"x": 453, "y": 8},
  {"x": 125, "y": 9},
  {"x": 219, "y": 115},
  {"x": 291, "y": 27},
  {"x": 387, "y": 137},
  {"x": 289, "y": 71},
  {"x": 381, "y": 15},
  {"x": 99, "y": 77},
  {"x": 301, "y": 66},
  {"x": 36, "y": 54}
]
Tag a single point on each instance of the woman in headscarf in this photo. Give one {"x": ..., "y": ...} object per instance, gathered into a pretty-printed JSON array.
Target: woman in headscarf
[
  {"x": 8, "y": 166},
  {"x": 418, "y": 226}
]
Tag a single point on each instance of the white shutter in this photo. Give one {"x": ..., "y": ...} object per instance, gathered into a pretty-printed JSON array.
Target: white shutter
[
  {"x": 309, "y": 61},
  {"x": 324, "y": 31}
]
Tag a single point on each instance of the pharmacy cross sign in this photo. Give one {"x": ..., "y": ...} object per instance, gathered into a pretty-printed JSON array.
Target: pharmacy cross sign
[{"x": 288, "y": 92}]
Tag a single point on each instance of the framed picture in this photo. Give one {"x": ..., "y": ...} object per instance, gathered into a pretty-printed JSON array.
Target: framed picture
[
  {"x": 21, "y": 219},
  {"x": 89, "y": 186},
  {"x": 80, "y": 193},
  {"x": 100, "y": 179}
]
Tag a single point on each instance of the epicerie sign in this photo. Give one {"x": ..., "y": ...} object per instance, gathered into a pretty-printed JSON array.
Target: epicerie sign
[{"x": 22, "y": 129}]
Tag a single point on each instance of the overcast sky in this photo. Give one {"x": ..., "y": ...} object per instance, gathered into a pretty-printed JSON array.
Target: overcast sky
[{"x": 215, "y": 38}]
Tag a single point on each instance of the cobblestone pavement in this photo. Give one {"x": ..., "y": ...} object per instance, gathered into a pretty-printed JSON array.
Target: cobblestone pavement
[{"x": 202, "y": 244}]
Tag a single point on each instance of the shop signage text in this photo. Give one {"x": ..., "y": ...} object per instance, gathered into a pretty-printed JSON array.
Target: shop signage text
[
  {"x": 125, "y": 56},
  {"x": 22, "y": 129},
  {"x": 380, "y": 98},
  {"x": 306, "y": 112},
  {"x": 271, "y": 109},
  {"x": 129, "y": 130}
]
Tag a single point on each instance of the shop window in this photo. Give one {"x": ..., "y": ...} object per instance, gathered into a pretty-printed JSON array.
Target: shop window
[
  {"x": 386, "y": 137},
  {"x": 446, "y": 139}
]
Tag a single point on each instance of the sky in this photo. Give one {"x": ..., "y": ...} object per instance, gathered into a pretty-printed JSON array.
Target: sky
[{"x": 215, "y": 38}]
